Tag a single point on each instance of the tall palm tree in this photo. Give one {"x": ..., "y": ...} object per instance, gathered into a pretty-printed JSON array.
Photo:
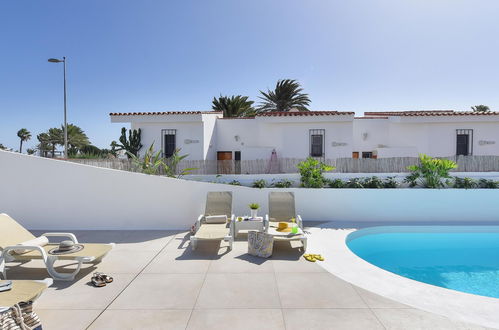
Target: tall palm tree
[
  {"x": 286, "y": 96},
  {"x": 234, "y": 106},
  {"x": 480, "y": 108},
  {"x": 24, "y": 135},
  {"x": 77, "y": 138},
  {"x": 49, "y": 140}
]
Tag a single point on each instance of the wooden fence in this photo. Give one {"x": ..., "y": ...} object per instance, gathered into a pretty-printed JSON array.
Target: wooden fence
[{"x": 288, "y": 165}]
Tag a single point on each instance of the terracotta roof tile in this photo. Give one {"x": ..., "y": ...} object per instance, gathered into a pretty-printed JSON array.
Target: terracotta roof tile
[
  {"x": 163, "y": 113},
  {"x": 302, "y": 113},
  {"x": 432, "y": 113}
]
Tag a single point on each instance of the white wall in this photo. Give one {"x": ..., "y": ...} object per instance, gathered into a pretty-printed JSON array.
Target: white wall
[
  {"x": 151, "y": 132},
  {"x": 50, "y": 194}
]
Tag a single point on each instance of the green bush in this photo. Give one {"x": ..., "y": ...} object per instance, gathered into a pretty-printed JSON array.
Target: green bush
[
  {"x": 311, "y": 172},
  {"x": 283, "y": 183},
  {"x": 235, "y": 183},
  {"x": 488, "y": 184},
  {"x": 464, "y": 183},
  {"x": 373, "y": 182},
  {"x": 354, "y": 183},
  {"x": 259, "y": 184},
  {"x": 336, "y": 183},
  {"x": 431, "y": 173},
  {"x": 390, "y": 182}
]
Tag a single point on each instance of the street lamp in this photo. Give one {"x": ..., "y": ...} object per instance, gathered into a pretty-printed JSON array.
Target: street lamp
[{"x": 55, "y": 60}]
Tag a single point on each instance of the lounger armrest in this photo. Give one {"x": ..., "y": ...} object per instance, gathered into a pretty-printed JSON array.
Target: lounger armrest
[
  {"x": 47, "y": 281},
  {"x": 198, "y": 221},
  {"x": 40, "y": 249},
  {"x": 299, "y": 221},
  {"x": 266, "y": 223},
  {"x": 68, "y": 235}
]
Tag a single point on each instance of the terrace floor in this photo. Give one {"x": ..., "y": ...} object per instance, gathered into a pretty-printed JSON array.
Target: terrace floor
[{"x": 160, "y": 283}]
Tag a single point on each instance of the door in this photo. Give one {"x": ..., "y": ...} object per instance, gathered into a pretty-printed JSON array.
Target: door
[
  {"x": 224, "y": 162},
  {"x": 462, "y": 145}
]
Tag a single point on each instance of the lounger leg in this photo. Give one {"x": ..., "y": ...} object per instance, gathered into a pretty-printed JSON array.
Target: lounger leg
[
  {"x": 304, "y": 242},
  {"x": 194, "y": 243},
  {"x": 61, "y": 276},
  {"x": 2, "y": 268}
]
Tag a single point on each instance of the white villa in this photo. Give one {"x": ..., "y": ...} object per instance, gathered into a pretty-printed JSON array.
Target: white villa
[{"x": 207, "y": 135}]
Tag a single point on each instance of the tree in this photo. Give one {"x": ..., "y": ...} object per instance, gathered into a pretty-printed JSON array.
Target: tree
[
  {"x": 2, "y": 147},
  {"x": 77, "y": 138},
  {"x": 234, "y": 106},
  {"x": 30, "y": 151},
  {"x": 131, "y": 145},
  {"x": 480, "y": 108},
  {"x": 286, "y": 96},
  {"x": 49, "y": 141},
  {"x": 24, "y": 135}
]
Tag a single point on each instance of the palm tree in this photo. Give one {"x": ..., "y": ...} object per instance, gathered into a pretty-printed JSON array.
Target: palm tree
[
  {"x": 286, "y": 96},
  {"x": 480, "y": 108},
  {"x": 50, "y": 140},
  {"x": 234, "y": 106},
  {"x": 77, "y": 138},
  {"x": 24, "y": 135}
]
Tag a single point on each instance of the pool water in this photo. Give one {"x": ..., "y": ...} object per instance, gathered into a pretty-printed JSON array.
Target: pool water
[{"x": 459, "y": 258}]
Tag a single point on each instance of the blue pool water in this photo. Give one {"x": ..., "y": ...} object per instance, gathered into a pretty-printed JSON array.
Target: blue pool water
[{"x": 459, "y": 258}]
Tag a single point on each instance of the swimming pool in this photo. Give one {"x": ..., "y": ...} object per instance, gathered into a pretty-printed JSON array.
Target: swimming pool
[{"x": 462, "y": 258}]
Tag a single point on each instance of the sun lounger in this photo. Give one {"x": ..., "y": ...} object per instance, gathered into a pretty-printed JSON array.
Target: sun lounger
[
  {"x": 214, "y": 223},
  {"x": 282, "y": 209},
  {"x": 14, "y": 236}
]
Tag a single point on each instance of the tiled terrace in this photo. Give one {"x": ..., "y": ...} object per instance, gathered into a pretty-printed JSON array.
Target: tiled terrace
[{"x": 159, "y": 283}]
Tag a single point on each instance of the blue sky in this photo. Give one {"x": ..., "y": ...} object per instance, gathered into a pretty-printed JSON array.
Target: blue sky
[{"x": 354, "y": 55}]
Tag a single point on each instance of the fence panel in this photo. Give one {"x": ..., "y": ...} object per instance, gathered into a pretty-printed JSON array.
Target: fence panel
[{"x": 288, "y": 165}]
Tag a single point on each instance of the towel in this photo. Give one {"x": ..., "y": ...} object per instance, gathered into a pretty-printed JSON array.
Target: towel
[{"x": 39, "y": 241}]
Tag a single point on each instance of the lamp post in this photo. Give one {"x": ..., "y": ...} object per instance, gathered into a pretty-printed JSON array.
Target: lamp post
[{"x": 55, "y": 60}]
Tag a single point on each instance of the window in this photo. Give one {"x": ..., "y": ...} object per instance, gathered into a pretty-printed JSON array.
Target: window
[
  {"x": 237, "y": 163},
  {"x": 367, "y": 154},
  {"x": 464, "y": 142},
  {"x": 317, "y": 142},
  {"x": 168, "y": 142}
]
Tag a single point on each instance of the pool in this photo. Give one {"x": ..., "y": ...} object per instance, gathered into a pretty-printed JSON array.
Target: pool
[{"x": 462, "y": 258}]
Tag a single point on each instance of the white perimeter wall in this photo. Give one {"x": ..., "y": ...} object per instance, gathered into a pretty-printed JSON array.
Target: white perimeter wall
[{"x": 49, "y": 194}]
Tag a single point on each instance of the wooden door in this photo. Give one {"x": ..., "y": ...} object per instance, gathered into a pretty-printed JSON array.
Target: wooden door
[{"x": 224, "y": 162}]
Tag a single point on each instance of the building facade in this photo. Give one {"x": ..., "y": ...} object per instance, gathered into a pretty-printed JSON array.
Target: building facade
[{"x": 207, "y": 135}]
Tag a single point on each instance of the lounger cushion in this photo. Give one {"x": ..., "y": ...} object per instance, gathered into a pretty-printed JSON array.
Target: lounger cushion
[
  {"x": 22, "y": 290},
  {"x": 212, "y": 231},
  {"x": 94, "y": 250},
  {"x": 282, "y": 206},
  {"x": 215, "y": 219},
  {"x": 12, "y": 233}
]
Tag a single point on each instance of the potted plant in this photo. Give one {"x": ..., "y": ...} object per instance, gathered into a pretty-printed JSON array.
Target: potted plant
[{"x": 254, "y": 209}]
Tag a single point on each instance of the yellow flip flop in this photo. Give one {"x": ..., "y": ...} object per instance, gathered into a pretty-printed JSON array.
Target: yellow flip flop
[
  {"x": 309, "y": 257},
  {"x": 319, "y": 257}
]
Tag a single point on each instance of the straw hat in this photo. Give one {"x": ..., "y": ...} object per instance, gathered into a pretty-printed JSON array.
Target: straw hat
[
  {"x": 282, "y": 225},
  {"x": 66, "y": 247}
]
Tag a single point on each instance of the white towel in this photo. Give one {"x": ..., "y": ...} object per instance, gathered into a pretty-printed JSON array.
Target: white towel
[{"x": 39, "y": 241}]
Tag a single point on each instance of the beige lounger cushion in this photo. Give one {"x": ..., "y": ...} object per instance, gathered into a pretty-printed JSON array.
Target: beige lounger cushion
[
  {"x": 212, "y": 231},
  {"x": 90, "y": 250},
  {"x": 282, "y": 206},
  {"x": 219, "y": 202},
  {"x": 12, "y": 233},
  {"x": 22, "y": 291}
]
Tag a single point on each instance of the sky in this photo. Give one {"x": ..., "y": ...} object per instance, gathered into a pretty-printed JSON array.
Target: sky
[{"x": 124, "y": 56}]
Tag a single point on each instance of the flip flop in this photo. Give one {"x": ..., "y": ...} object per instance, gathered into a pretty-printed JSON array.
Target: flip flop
[
  {"x": 309, "y": 257},
  {"x": 97, "y": 281},
  {"x": 319, "y": 257}
]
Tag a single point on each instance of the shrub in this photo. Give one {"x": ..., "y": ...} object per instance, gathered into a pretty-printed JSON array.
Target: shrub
[
  {"x": 464, "y": 183},
  {"x": 390, "y": 182},
  {"x": 372, "y": 182},
  {"x": 283, "y": 183},
  {"x": 235, "y": 183},
  {"x": 254, "y": 206},
  {"x": 354, "y": 183},
  {"x": 488, "y": 184},
  {"x": 259, "y": 184},
  {"x": 431, "y": 173},
  {"x": 336, "y": 183},
  {"x": 311, "y": 171}
]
